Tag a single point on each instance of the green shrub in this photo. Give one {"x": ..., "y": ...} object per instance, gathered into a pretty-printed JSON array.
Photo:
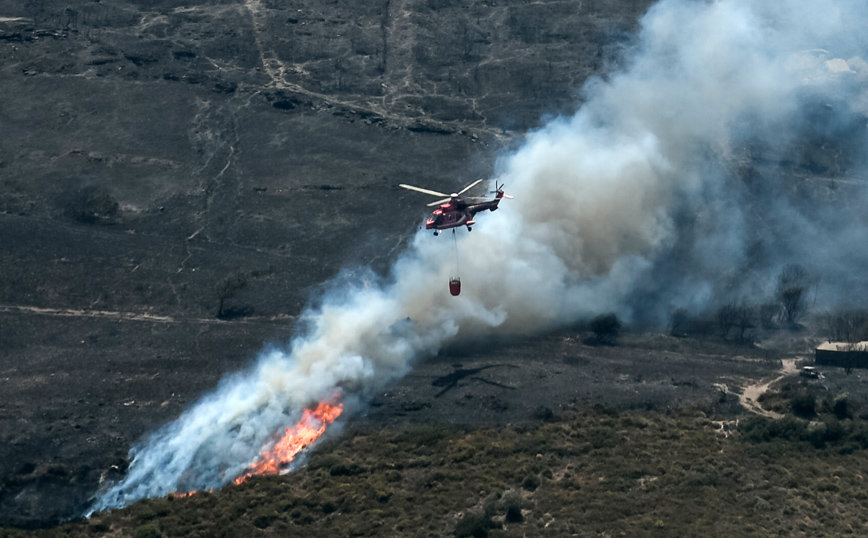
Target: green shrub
[
  {"x": 841, "y": 407},
  {"x": 147, "y": 532},
  {"x": 530, "y": 482},
  {"x": 859, "y": 435},
  {"x": 146, "y": 515},
  {"x": 99, "y": 527},
  {"x": 345, "y": 468},
  {"x": 804, "y": 404},
  {"x": 510, "y": 503},
  {"x": 264, "y": 521},
  {"x": 424, "y": 435},
  {"x": 475, "y": 524},
  {"x": 490, "y": 504},
  {"x": 759, "y": 429},
  {"x": 326, "y": 461}
]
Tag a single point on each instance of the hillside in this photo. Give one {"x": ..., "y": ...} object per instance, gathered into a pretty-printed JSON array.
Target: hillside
[
  {"x": 584, "y": 472},
  {"x": 153, "y": 150},
  {"x": 185, "y": 187}
]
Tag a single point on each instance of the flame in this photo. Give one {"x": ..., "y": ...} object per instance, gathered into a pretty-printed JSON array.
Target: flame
[
  {"x": 179, "y": 495},
  {"x": 312, "y": 425}
]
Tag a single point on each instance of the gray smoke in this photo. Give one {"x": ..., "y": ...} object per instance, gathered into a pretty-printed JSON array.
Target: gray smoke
[{"x": 729, "y": 145}]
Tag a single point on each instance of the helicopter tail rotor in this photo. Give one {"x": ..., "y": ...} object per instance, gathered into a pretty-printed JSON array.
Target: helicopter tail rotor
[{"x": 498, "y": 191}]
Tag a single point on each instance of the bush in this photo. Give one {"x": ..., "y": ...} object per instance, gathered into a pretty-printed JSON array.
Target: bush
[
  {"x": 531, "y": 482},
  {"x": 264, "y": 521},
  {"x": 841, "y": 407},
  {"x": 726, "y": 317},
  {"x": 147, "y": 532},
  {"x": 475, "y": 524},
  {"x": 606, "y": 328},
  {"x": 758, "y": 429},
  {"x": 511, "y": 503},
  {"x": 326, "y": 461},
  {"x": 424, "y": 435},
  {"x": 804, "y": 404}
]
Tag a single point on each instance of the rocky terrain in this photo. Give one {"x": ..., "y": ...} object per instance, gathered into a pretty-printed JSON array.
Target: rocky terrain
[{"x": 154, "y": 151}]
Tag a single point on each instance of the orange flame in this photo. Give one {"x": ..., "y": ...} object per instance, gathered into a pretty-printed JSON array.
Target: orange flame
[{"x": 312, "y": 425}]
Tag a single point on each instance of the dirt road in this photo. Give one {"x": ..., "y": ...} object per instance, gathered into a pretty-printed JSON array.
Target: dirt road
[
  {"x": 750, "y": 396},
  {"x": 130, "y": 316}
]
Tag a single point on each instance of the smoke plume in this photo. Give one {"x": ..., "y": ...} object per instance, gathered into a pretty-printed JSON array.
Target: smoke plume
[{"x": 726, "y": 146}]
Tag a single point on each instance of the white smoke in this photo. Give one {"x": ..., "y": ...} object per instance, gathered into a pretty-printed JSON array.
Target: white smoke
[{"x": 634, "y": 205}]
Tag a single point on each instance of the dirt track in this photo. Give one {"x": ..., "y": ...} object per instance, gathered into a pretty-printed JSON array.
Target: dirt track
[
  {"x": 128, "y": 316},
  {"x": 749, "y": 397}
]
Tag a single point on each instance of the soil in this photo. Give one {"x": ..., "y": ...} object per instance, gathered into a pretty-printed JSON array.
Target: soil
[
  {"x": 531, "y": 379},
  {"x": 749, "y": 396}
]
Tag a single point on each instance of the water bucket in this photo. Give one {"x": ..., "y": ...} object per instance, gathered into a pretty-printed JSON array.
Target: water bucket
[{"x": 454, "y": 286}]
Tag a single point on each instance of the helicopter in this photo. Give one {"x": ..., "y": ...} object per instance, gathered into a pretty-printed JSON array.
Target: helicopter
[{"x": 455, "y": 211}]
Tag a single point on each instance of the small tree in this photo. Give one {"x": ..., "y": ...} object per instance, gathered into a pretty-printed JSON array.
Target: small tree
[
  {"x": 790, "y": 290},
  {"x": 745, "y": 319},
  {"x": 793, "y": 301},
  {"x": 792, "y": 275},
  {"x": 606, "y": 328},
  {"x": 726, "y": 318}
]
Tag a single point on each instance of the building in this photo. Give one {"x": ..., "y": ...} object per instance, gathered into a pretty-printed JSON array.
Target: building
[{"x": 842, "y": 354}]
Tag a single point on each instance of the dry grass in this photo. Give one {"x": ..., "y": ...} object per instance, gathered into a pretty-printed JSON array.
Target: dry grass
[{"x": 590, "y": 472}]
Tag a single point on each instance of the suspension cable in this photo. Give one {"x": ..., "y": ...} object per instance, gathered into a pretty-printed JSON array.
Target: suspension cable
[{"x": 455, "y": 250}]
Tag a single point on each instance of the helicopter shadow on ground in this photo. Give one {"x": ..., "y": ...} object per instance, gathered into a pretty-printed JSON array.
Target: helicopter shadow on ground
[{"x": 451, "y": 380}]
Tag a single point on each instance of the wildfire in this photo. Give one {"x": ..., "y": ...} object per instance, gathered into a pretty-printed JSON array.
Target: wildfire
[{"x": 312, "y": 425}]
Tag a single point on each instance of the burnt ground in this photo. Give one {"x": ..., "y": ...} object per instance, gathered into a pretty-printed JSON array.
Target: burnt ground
[
  {"x": 152, "y": 150},
  {"x": 536, "y": 378}
]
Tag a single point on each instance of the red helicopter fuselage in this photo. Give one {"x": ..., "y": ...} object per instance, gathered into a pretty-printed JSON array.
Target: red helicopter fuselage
[{"x": 460, "y": 212}]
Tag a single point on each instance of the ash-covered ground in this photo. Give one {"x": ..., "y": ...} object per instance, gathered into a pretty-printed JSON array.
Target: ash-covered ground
[
  {"x": 153, "y": 152},
  {"x": 535, "y": 378}
]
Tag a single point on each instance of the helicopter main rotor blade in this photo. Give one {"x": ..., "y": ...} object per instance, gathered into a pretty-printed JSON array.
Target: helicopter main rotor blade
[
  {"x": 425, "y": 191},
  {"x": 439, "y": 202},
  {"x": 467, "y": 188}
]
